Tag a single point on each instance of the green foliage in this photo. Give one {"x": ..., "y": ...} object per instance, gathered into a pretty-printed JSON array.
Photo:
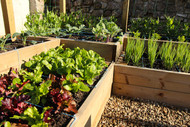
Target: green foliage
[
  {"x": 185, "y": 62},
  {"x": 74, "y": 84},
  {"x": 5, "y": 123},
  {"x": 88, "y": 64},
  {"x": 106, "y": 30},
  {"x": 1, "y": 98},
  {"x": 73, "y": 29},
  {"x": 167, "y": 53},
  {"x": 152, "y": 48},
  {"x": 135, "y": 49},
  {"x": 23, "y": 35},
  {"x": 3, "y": 41},
  {"x": 49, "y": 23},
  {"x": 170, "y": 28},
  {"x": 34, "y": 118}
]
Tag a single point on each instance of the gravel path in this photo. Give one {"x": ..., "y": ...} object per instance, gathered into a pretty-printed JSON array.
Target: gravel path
[{"x": 123, "y": 111}]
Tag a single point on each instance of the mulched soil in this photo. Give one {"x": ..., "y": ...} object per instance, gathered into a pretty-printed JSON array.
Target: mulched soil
[{"x": 134, "y": 112}]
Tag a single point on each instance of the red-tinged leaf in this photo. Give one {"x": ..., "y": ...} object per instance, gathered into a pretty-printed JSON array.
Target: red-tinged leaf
[
  {"x": 21, "y": 86},
  {"x": 7, "y": 103},
  {"x": 71, "y": 107},
  {"x": 47, "y": 116}
]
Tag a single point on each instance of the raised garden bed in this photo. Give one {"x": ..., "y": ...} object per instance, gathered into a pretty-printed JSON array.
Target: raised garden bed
[
  {"x": 110, "y": 51},
  {"x": 96, "y": 98},
  {"x": 170, "y": 86},
  {"x": 16, "y": 57}
]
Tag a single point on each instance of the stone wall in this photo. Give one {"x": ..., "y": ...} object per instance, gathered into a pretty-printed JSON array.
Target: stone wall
[
  {"x": 104, "y": 8},
  {"x": 138, "y": 8},
  {"x": 158, "y": 8}
]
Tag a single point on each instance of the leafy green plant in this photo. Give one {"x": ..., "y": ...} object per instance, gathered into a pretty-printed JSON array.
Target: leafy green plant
[
  {"x": 3, "y": 41},
  {"x": 152, "y": 48},
  {"x": 74, "y": 84},
  {"x": 23, "y": 35},
  {"x": 106, "y": 30},
  {"x": 34, "y": 118},
  {"x": 73, "y": 29},
  {"x": 129, "y": 50},
  {"x": 167, "y": 53}
]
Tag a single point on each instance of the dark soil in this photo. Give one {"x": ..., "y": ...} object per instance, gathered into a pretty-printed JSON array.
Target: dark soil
[
  {"x": 85, "y": 37},
  {"x": 16, "y": 45}
]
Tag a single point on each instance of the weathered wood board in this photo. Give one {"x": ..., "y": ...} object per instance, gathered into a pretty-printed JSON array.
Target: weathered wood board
[
  {"x": 90, "y": 112},
  {"x": 160, "y": 85},
  {"x": 16, "y": 57},
  {"x": 110, "y": 51}
]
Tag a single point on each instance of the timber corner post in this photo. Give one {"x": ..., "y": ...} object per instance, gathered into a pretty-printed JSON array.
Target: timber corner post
[
  {"x": 8, "y": 16},
  {"x": 62, "y": 6},
  {"x": 125, "y": 15}
]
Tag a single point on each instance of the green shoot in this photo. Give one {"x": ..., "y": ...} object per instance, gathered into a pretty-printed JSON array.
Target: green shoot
[
  {"x": 167, "y": 54},
  {"x": 152, "y": 48},
  {"x": 186, "y": 59},
  {"x": 3, "y": 41}
]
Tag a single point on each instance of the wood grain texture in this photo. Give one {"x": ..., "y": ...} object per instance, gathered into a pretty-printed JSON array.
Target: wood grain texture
[
  {"x": 160, "y": 85},
  {"x": 8, "y": 16},
  {"x": 110, "y": 51},
  {"x": 153, "y": 78},
  {"x": 125, "y": 15},
  {"x": 90, "y": 112},
  {"x": 62, "y": 6},
  {"x": 16, "y": 57},
  {"x": 170, "y": 97}
]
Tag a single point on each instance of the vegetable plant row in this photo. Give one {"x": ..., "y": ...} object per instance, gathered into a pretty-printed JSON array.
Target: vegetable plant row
[
  {"x": 170, "y": 29},
  {"x": 48, "y": 85},
  {"x": 74, "y": 25},
  {"x": 168, "y": 56},
  {"x": 7, "y": 44}
]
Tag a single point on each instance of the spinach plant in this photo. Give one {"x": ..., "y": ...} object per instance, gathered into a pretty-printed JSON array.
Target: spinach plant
[{"x": 3, "y": 41}]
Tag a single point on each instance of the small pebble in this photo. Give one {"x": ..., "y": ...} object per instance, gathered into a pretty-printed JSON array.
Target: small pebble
[{"x": 134, "y": 112}]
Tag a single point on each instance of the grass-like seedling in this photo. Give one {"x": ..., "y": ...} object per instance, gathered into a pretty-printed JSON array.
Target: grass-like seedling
[
  {"x": 186, "y": 59},
  {"x": 129, "y": 49},
  {"x": 152, "y": 48},
  {"x": 167, "y": 53}
]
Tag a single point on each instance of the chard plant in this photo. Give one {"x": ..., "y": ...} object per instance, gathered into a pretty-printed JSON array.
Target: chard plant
[
  {"x": 3, "y": 41},
  {"x": 167, "y": 53},
  {"x": 152, "y": 48}
]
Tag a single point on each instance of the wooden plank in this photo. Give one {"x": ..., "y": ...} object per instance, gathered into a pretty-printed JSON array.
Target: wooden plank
[
  {"x": 125, "y": 14},
  {"x": 8, "y": 16},
  {"x": 151, "y": 82},
  {"x": 7, "y": 60},
  {"x": 16, "y": 57},
  {"x": 174, "y": 98},
  {"x": 153, "y": 78},
  {"x": 106, "y": 50},
  {"x": 91, "y": 110},
  {"x": 63, "y": 6}
]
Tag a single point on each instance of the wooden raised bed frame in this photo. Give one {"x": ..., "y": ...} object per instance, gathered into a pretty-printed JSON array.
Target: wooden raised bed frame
[
  {"x": 110, "y": 51},
  {"x": 16, "y": 57},
  {"x": 91, "y": 110},
  {"x": 154, "y": 84}
]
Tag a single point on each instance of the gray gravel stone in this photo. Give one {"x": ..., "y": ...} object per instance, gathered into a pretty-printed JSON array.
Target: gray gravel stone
[{"x": 135, "y": 112}]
